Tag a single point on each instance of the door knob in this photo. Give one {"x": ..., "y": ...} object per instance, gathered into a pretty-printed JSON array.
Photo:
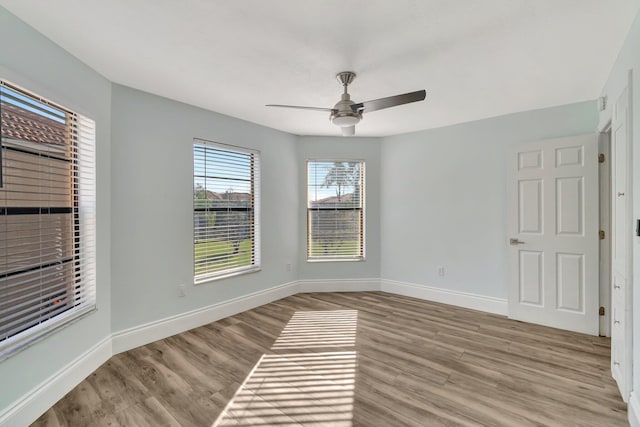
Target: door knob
[{"x": 513, "y": 241}]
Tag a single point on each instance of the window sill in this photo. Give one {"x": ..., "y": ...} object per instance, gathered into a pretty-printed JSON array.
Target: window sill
[
  {"x": 314, "y": 260},
  {"x": 225, "y": 275},
  {"x": 34, "y": 335}
]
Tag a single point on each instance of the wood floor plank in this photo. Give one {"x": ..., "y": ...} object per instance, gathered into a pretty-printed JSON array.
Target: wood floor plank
[
  {"x": 49, "y": 419},
  {"x": 148, "y": 413},
  {"x": 353, "y": 359},
  {"x": 82, "y": 407}
]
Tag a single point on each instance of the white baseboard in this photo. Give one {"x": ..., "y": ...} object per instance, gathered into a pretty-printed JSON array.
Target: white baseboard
[
  {"x": 339, "y": 285},
  {"x": 446, "y": 296},
  {"x": 26, "y": 410},
  {"x": 633, "y": 410},
  {"x": 163, "y": 328}
]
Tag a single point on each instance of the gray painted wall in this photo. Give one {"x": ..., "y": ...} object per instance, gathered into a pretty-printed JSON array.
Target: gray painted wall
[
  {"x": 340, "y": 148},
  {"x": 152, "y": 179},
  {"x": 444, "y": 197},
  {"x": 32, "y": 61}
]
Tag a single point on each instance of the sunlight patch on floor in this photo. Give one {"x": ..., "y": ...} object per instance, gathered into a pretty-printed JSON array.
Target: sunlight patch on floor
[
  {"x": 310, "y": 329},
  {"x": 311, "y": 388}
]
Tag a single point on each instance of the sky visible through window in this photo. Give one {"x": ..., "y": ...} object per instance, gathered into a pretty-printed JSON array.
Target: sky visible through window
[
  {"x": 231, "y": 171},
  {"x": 317, "y": 172},
  {"x": 11, "y": 97}
]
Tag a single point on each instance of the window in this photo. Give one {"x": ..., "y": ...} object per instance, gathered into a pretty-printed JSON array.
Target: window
[
  {"x": 226, "y": 201},
  {"x": 335, "y": 210},
  {"x": 47, "y": 217}
]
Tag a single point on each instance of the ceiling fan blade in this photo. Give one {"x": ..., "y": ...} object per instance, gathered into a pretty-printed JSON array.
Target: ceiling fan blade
[
  {"x": 348, "y": 130},
  {"x": 329, "y": 110},
  {"x": 391, "y": 101}
]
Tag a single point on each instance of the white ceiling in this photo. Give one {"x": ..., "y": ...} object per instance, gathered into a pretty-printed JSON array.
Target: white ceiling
[{"x": 476, "y": 59}]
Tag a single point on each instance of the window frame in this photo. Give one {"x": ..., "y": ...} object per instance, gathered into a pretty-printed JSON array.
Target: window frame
[
  {"x": 362, "y": 209},
  {"x": 255, "y": 181},
  {"x": 79, "y": 297}
]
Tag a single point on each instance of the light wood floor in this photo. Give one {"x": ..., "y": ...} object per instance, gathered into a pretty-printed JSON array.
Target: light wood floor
[{"x": 353, "y": 359}]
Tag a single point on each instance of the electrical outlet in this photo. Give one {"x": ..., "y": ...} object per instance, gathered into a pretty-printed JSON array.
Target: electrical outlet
[
  {"x": 288, "y": 267},
  {"x": 440, "y": 271},
  {"x": 182, "y": 290}
]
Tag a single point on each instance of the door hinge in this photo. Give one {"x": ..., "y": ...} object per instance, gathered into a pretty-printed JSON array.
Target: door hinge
[
  {"x": 601, "y": 158},
  {"x": 601, "y": 311},
  {"x": 602, "y": 103},
  {"x": 601, "y": 234}
]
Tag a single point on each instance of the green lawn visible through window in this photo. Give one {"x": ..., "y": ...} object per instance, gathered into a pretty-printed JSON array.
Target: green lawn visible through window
[
  {"x": 319, "y": 248},
  {"x": 222, "y": 251}
]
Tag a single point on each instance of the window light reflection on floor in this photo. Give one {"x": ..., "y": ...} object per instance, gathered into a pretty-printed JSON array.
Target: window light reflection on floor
[
  {"x": 313, "y": 387},
  {"x": 310, "y": 329}
]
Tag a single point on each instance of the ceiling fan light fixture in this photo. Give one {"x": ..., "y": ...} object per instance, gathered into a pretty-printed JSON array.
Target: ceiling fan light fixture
[{"x": 347, "y": 120}]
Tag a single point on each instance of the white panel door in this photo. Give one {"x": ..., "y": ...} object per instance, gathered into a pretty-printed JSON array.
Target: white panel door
[
  {"x": 553, "y": 233},
  {"x": 620, "y": 243}
]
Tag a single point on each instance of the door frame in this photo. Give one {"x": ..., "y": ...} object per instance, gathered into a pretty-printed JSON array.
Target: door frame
[
  {"x": 604, "y": 178},
  {"x": 626, "y": 379}
]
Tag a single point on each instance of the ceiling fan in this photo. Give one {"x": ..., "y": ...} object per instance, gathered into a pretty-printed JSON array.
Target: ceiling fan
[{"x": 347, "y": 113}]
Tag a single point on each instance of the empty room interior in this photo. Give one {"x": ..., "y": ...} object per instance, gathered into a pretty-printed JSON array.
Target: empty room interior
[{"x": 344, "y": 213}]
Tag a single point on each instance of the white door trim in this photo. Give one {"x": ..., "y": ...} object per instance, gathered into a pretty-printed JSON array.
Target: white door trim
[
  {"x": 604, "y": 148},
  {"x": 622, "y": 230}
]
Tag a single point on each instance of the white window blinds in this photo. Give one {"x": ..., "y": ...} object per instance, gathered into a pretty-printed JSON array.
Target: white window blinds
[
  {"x": 226, "y": 203},
  {"x": 47, "y": 217},
  {"x": 335, "y": 210}
]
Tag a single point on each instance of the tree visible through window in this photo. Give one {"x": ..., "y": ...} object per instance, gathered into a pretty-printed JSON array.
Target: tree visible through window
[
  {"x": 225, "y": 207},
  {"x": 335, "y": 210}
]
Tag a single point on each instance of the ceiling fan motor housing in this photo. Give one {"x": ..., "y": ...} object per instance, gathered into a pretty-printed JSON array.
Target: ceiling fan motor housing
[{"x": 342, "y": 114}]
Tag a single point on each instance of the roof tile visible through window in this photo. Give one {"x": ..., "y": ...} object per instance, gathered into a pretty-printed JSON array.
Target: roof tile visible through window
[{"x": 18, "y": 123}]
